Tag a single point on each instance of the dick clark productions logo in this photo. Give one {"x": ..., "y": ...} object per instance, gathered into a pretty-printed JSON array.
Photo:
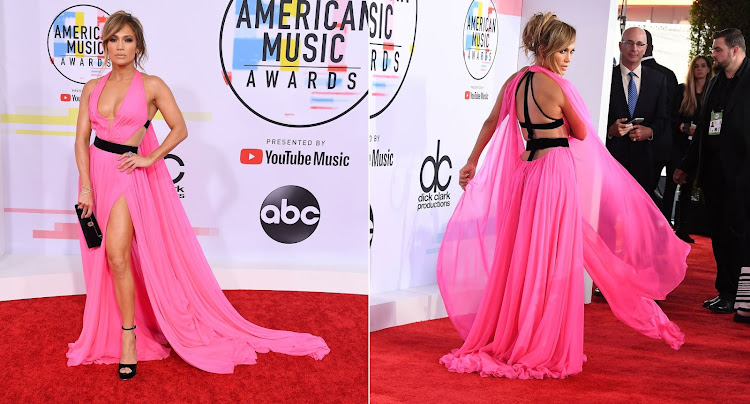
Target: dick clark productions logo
[
  {"x": 296, "y": 63},
  {"x": 290, "y": 214},
  {"x": 480, "y": 38},
  {"x": 180, "y": 174},
  {"x": 435, "y": 194},
  {"x": 74, "y": 42}
]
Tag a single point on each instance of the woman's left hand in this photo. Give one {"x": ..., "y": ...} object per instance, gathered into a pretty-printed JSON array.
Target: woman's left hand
[
  {"x": 131, "y": 161},
  {"x": 466, "y": 173}
]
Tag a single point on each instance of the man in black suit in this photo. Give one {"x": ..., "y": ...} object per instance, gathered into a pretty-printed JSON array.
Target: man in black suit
[
  {"x": 637, "y": 92},
  {"x": 720, "y": 153},
  {"x": 663, "y": 145}
]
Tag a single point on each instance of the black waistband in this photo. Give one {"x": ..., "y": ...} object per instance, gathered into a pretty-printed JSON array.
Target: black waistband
[
  {"x": 542, "y": 143},
  {"x": 114, "y": 147}
]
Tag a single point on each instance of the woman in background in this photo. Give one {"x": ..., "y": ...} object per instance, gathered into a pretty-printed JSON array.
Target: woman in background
[{"x": 689, "y": 103}]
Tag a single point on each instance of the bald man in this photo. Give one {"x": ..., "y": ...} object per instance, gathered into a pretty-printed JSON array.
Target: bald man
[{"x": 636, "y": 92}]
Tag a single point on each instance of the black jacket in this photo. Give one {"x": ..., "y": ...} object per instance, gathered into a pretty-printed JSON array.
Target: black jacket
[
  {"x": 651, "y": 106},
  {"x": 734, "y": 142},
  {"x": 663, "y": 147}
]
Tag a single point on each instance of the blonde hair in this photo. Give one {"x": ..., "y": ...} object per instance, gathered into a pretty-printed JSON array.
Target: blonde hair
[
  {"x": 115, "y": 23},
  {"x": 544, "y": 35},
  {"x": 689, "y": 100}
]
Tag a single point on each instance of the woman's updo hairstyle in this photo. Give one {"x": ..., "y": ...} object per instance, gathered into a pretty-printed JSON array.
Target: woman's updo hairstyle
[
  {"x": 115, "y": 23},
  {"x": 544, "y": 35}
]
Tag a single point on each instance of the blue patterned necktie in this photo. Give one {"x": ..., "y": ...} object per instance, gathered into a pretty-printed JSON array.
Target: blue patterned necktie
[{"x": 632, "y": 94}]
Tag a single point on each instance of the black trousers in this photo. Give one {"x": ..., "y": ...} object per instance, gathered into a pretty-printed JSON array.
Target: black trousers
[
  {"x": 658, "y": 166},
  {"x": 637, "y": 158},
  {"x": 681, "y": 209},
  {"x": 727, "y": 235},
  {"x": 680, "y": 145}
]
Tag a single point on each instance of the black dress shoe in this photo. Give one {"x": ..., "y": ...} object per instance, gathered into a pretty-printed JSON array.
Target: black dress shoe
[
  {"x": 741, "y": 319},
  {"x": 685, "y": 237},
  {"x": 722, "y": 306},
  {"x": 710, "y": 302},
  {"x": 597, "y": 292}
]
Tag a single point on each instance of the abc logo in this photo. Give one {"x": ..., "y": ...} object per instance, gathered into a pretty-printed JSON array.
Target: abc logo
[
  {"x": 434, "y": 183},
  {"x": 290, "y": 214}
]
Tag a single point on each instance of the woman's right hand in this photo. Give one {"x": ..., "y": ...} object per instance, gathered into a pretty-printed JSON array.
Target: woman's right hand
[
  {"x": 86, "y": 202},
  {"x": 466, "y": 174}
]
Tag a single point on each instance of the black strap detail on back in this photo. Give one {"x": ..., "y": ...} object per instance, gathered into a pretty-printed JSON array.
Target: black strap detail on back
[
  {"x": 526, "y": 118},
  {"x": 556, "y": 123},
  {"x": 544, "y": 142},
  {"x": 548, "y": 125},
  {"x": 149, "y": 123}
]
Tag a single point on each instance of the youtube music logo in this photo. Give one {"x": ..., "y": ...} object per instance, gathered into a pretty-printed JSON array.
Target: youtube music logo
[{"x": 251, "y": 156}]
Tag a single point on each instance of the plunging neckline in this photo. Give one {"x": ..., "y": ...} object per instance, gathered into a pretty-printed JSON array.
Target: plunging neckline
[{"x": 117, "y": 113}]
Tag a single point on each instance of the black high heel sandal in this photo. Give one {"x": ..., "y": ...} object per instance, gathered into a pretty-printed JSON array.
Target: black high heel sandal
[{"x": 131, "y": 367}]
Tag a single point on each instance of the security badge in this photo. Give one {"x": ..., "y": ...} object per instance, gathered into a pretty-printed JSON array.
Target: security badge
[{"x": 714, "y": 128}]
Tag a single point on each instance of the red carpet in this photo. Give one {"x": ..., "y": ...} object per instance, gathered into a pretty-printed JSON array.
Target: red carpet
[
  {"x": 34, "y": 335},
  {"x": 623, "y": 366}
]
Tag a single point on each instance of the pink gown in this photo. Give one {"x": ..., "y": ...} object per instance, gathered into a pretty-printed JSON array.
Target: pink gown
[
  {"x": 177, "y": 298},
  {"x": 510, "y": 268}
]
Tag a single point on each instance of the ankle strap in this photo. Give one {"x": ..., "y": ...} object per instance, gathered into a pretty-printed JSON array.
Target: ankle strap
[{"x": 128, "y": 329}]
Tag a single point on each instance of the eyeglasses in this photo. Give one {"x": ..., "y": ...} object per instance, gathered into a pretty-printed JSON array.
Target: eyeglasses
[{"x": 631, "y": 43}]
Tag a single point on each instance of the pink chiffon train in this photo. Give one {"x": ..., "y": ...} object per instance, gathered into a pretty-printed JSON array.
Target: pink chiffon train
[
  {"x": 510, "y": 268},
  {"x": 178, "y": 300}
]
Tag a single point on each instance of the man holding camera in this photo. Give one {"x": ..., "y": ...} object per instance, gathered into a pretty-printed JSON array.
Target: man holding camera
[
  {"x": 637, "y": 110},
  {"x": 720, "y": 154}
]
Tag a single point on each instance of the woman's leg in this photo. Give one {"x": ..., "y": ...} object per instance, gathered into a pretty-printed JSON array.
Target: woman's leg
[{"x": 118, "y": 243}]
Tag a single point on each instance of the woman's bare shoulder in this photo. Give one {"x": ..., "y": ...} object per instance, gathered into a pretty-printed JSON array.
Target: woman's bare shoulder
[
  {"x": 154, "y": 85},
  {"x": 544, "y": 84},
  {"x": 546, "y": 81},
  {"x": 89, "y": 86},
  {"x": 152, "y": 80}
]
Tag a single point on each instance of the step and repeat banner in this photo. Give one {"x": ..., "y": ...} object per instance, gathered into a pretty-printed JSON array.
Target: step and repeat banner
[
  {"x": 428, "y": 105},
  {"x": 435, "y": 71},
  {"x": 274, "y": 93}
]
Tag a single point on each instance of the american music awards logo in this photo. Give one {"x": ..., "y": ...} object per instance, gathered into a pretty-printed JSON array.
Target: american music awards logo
[
  {"x": 480, "y": 38},
  {"x": 74, "y": 42},
  {"x": 393, "y": 30},
  {"x": 296, "y": 63}
]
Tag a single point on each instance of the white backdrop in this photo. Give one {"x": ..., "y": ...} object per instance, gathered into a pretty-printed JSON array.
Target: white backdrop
[
  {"x": 3, "y": 103},
  {"x": 432, "y": 108},
  {"x": 222, "y": 187}
]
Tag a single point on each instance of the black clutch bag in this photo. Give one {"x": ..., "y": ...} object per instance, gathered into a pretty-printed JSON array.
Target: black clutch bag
[{"x": 90, "y": 227}]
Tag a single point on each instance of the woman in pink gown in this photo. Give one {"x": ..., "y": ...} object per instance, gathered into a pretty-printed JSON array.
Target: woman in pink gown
[
  {"x": 150, "y": 270},
  {"x": 510, "y": 268}
]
